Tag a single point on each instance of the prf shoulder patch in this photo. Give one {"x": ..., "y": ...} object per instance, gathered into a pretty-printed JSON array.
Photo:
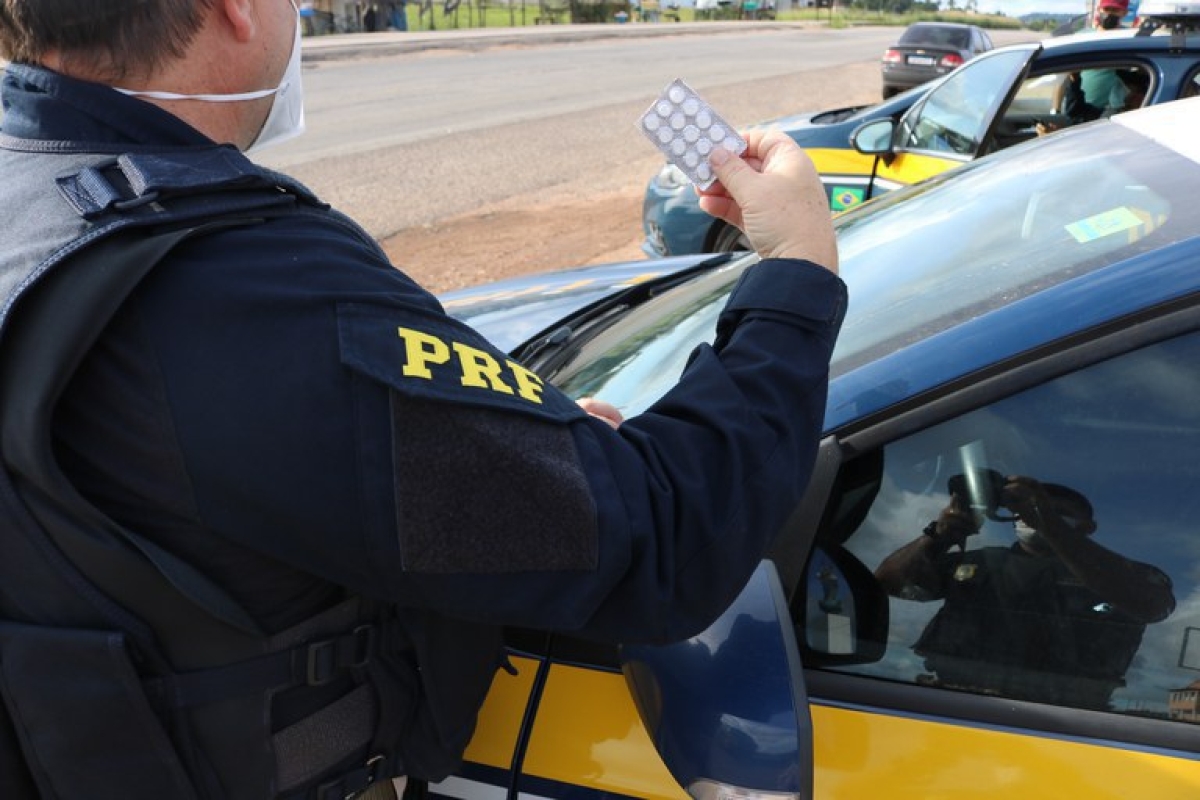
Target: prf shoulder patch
[{"x": 430, "y": 356}]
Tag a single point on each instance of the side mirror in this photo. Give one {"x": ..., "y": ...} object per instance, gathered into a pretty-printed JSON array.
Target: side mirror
[
  {"x": 841, "y": 611},
  {"x": 874, "y": 138},
  {"x": 727, "y": 709}
]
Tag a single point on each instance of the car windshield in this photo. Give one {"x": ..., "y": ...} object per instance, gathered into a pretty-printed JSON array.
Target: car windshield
[
  {"x": 921, "y": 260},
  {"x": 1005, "y": 227}
]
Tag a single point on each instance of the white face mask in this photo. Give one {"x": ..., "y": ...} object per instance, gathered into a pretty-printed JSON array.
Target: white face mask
[
  {"x": 286, "y": 118},
  {"x": 1026, "y": 534}
]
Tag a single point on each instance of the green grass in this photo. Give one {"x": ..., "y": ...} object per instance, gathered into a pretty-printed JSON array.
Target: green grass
[{"x": 480, "y": 14}]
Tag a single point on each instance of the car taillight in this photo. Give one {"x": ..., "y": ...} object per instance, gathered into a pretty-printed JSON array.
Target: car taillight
[
  {"x": 952, "y": 60},
  {"x": 892, "y": 57}
]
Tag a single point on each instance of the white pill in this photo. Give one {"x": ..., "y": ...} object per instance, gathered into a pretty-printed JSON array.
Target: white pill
[{"x": 686, "y": 130}]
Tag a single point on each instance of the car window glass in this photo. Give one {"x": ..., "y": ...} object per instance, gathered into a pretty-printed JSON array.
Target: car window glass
[
  {"x": 1191, "y": 87},
  {"x": 1063, "y": 206},
  {"x": 954, "y": 116},
  {"x": 1104, "y": 614},
  {"x": 1054, "y": 101},
  {"x": 936, "y": 36}
]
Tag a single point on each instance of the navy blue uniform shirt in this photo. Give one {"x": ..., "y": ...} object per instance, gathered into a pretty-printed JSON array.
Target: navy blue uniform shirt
[{"x": 286, "y": 410}]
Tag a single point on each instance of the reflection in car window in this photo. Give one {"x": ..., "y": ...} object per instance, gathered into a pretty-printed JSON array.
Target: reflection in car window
[
  {"x": 1076, "y": 584},
  {"x": 1056, "y": 208},
  {"x": 954, "y": 117},
  {"x": 631, "y": 365}
]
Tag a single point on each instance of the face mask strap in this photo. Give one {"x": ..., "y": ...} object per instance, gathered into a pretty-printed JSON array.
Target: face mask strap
[
  {"x": 216, "y": 98},
  {"x": 206, "y": 98}
]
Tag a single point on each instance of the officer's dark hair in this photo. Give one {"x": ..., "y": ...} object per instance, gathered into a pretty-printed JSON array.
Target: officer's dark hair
[{"x": 109, "y": 38}]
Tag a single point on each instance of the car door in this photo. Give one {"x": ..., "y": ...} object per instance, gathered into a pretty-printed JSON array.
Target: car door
[
  {"x": 950, "y": 124},
  {"x": 560, "y": 723},
  {"x": 1098, "y": 703},
  {"x": 1056, "y": 687}
]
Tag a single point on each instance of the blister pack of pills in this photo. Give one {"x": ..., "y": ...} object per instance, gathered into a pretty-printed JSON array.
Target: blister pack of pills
[{"x": 686, "y": 129}]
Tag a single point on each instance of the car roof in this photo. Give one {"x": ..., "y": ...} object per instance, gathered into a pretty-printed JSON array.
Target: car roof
[
  {"x": 1173, "y": 125},
  {"x": 1125, "y": 40}
]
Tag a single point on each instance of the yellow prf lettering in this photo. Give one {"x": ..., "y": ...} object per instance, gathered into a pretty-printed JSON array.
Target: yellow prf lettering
[
  {"x": 421, "y": 350},
  {"x": 529, "y": 385},
  {"x": 479, "y": 369}
]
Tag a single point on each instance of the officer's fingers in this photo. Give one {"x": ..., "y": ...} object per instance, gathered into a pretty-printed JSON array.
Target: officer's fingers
[
  {"x": 602, "y": 410},
  {"x": 1020, "y": 489},
  {"x": 721, "y": 206}
]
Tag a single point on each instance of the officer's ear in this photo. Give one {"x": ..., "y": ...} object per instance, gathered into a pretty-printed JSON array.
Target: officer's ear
[
  {"x": 1086, "y": 526},
  {"x": 241, "y": 17}
]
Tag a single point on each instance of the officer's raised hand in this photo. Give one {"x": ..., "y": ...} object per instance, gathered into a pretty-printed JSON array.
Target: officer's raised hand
[
  {"x": 954, "y": 524},
  {"x": 773, "y": 194}
]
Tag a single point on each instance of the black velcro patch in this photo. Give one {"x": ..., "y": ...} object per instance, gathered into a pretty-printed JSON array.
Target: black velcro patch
[{"x": 486, "y": 491}]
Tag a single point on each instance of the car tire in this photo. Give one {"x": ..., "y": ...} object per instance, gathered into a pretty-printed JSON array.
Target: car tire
[
  {"x": 890, "y": 91},
  {"x": 729, "y": 239}
]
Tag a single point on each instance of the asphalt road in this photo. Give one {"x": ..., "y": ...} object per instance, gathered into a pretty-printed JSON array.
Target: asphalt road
[{"x": 406, "y": 130}]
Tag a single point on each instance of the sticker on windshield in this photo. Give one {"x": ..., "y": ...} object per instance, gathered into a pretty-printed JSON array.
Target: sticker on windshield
[
  {"x": 686, "y": 129},
  {"x": 1104, "y": 224}
]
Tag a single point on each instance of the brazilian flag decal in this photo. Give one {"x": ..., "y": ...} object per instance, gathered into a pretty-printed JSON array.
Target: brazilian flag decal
[{"x": 843, "y": 197}]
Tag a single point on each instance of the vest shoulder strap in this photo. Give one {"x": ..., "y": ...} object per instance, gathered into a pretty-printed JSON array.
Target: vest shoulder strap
[{"x": 57, "y": 322}]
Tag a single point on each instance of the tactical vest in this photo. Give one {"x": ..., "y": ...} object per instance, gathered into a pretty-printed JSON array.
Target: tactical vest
[{"x": 125, "y": 672}]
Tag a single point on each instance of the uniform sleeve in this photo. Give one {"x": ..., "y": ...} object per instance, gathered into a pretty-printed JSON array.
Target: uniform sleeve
[
  {"x": 331, "y": 416},
  {"x": 646, "y": 533}
]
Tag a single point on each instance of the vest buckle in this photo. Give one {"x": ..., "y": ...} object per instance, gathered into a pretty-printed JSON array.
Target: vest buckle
[{"x": 328, "y": 657}]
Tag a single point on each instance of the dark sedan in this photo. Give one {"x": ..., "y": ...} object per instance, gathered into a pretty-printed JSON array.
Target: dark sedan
[{"x": 928, "y": 50}]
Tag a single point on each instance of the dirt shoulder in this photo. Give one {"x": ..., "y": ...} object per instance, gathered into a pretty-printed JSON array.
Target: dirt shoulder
[
  {"x": 592, "y": 220},
  {"x": 503, "y": 242}
]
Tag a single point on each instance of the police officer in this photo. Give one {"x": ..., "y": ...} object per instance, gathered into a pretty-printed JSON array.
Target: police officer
[
  {"x": 1054, "y": 618},
  {"x": 329, "y": 494}
]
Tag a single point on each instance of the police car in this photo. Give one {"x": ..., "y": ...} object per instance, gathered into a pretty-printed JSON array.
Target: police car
[
  {"x": 996, "y": 100},
  {"x": 1038, "y": 315}
]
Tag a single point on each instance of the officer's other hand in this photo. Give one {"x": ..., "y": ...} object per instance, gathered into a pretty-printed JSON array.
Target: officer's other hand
[
  {"x": 773, "y": 194},
  {"x": 602, "y": 410},
  {"x": 1028, "y": 499},
  {"x": 956, "y": 522},
  {"x": 1024, "y": 497}
]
